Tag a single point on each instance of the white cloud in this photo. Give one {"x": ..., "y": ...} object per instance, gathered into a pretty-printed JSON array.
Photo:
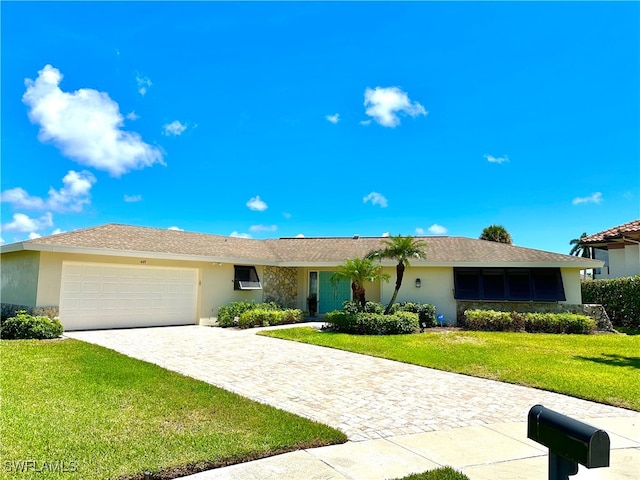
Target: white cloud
[
  {"x": 174, "y": 128},
  {"x": 177, "y": 229},
  {"x": 239, "y": 235},
  {"x": 21, "y": 199},
  {"x": 85, "y": 126},
  {"x": 263, "y": 228},
  {"x": 256, "y": 204},
  {"x": 300, "y": 235},
  {"x": 132, "y": 116},
  {"x": 143, "y": 82},
  {"x": 386, "y": 234},
  {"x": 365, "y": 122},
  {"x": 24, "y": 223},
  {"x": 286, "y": 215},
  {"x": 57, "y": 231},
  {"x": 492, "y": 159},
  {"x": 384, "y": 105},
  {"x": 132, "y": 198},
  {"x": 74, "y": 194},
  {"x": 419, "y": 231},
  {"x": 70, "y": 198},
  {"x": 376, "y": 199},
  {"x": 2, "y": 242},
  {"x": 335, "y": 118},
  {"x": 593, "y": 198},
  {"x": 34, "y": 235},
  {"x": 437, "y": 229},
  {"x": 627, "y": 195}
]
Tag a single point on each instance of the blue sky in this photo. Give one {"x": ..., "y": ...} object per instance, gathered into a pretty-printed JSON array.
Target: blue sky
[{"x": 321, "y": 119}]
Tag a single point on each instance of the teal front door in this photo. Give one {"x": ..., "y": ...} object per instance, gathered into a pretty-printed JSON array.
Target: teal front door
[{"x": 331, "y": 296}]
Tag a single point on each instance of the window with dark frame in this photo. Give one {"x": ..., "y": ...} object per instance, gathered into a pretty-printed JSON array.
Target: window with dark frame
[
  {"x": 509, "y": 284},
  {"x": 245, "y": 277}
]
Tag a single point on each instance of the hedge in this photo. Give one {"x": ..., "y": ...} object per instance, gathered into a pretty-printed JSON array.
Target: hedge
[
  {"x": 620, "y": 297},
  {"x": 260, "y": 317},
  {"x": 228, "y": 313},
  {"x": 26, "y": 326},
  {"x": 494, "y": 321},
  {"x": 426, "y": 312},
  {"x": 364, "y": 323}
]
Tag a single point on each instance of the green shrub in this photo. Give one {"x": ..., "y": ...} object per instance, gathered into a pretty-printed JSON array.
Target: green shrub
[
  {"x": 262, "y": 317},
  {"x": 228, "y": 313},
  {"x": 558, "y": 323},
  {"x": 619, "y": 296},
  {"x": 494, "y": 321},
  {"x": 349, "y": 306},
  {"x": 25, "y": 326},
  {"x": 364, "y": 323},
  {"x": 426, "y": 312},
  {"x": 491, "y": 321}
]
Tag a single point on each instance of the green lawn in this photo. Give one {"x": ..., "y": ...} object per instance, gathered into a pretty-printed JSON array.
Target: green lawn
[
  {"x": 76, "y": 410},
  {"x": 603, "y": 368}
]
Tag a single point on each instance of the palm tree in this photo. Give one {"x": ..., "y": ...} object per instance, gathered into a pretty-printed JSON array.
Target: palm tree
[
  {"x": 579, "y": 249},
  {"x": 401, "y": 249},
  {"x": 496, "y": 233},
  {"x": 359, "y": 271}
]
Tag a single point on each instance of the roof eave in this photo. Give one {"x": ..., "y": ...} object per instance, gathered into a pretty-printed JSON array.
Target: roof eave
[{"x": 141, "y": 254}]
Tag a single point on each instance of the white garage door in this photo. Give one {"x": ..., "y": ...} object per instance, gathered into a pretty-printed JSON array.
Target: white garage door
[{"x": 94, "y": 296}]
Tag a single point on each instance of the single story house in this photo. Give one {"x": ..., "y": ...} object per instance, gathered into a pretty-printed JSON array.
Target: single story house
[
  {"x": 619, "y": 248},
  {"x": 113, "y": 275}
]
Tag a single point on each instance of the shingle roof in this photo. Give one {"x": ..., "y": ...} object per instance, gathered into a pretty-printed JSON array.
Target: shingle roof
[
  {"x": 116, "y": 238},
  {"x": 615, "y": 233}
]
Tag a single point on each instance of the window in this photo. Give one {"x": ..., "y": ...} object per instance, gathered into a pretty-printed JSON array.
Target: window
[
  {"x": 547, "y": 285},
  {"x": 519, "y": 284},
  {"x": 493, "y": 284},
  {"x": 467, "y": 284},
  {"x": 246, "y": 278},
  {"x": 514, "y": 284}
]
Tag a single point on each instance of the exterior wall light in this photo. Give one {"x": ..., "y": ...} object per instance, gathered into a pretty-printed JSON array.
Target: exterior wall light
[{"x": 418, "y": 283}]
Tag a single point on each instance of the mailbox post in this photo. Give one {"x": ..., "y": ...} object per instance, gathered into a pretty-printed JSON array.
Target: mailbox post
[{"x": 569, "y": 441}]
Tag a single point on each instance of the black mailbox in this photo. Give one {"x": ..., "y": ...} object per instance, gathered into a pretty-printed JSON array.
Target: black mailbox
[{"x": 569, "y": 441}]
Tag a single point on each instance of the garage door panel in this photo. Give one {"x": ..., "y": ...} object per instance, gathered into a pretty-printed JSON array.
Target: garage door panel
[{"x": 95, "y": 296}]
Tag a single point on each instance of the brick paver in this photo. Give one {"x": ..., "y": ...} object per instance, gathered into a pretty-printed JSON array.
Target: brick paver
[{"x": 365, "y": 397}]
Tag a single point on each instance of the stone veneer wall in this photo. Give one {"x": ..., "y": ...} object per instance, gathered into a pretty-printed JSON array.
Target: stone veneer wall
[
  {"x": 597, "y": 312},
  {"x": 280, "y": 285}
]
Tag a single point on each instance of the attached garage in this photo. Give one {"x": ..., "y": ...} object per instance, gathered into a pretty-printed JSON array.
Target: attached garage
[{"x": 96, "y": 296}]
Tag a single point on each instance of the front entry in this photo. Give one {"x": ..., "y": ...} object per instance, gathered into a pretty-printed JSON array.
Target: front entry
[{"x": 331, "y": 296}]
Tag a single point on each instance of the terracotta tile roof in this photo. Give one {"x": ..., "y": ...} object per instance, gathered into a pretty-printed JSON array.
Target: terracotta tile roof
[
  {"x": 615, "y": 233},
  {"x": 115, "y": 238}
]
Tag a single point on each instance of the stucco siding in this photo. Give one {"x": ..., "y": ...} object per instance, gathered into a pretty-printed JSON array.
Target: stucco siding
[
  {"x": 632, "y": 260},
  {"x": 617, "y": 266},
  {"x": 436, "y": 288},
  {"x": 572, "y": 287},
  {"x": 217, "y": 289},
  {"x": 49, "y": 279},
  {"x": 19, "y": 273}
]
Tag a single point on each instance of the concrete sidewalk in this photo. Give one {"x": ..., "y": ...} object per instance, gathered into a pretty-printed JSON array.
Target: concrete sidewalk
[{"x": 399, "y": 418}]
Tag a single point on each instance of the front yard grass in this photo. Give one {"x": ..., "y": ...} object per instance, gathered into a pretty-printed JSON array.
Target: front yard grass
[
  {"x": 75, "y": 410},
  {"x": 604, "y": 368}
]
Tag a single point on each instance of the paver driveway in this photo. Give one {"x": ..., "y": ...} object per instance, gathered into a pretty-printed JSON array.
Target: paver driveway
[{"x": 365, "y": 397}]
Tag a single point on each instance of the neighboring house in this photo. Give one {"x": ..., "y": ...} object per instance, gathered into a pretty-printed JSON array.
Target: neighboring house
[
  {"x": 124, "y": 276},
  {"x": 619, "y": 248}
]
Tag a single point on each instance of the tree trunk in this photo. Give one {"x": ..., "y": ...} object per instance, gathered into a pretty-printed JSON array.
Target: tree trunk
[
  {"x": 399, "y": 277},
  {"x": 358, "y": 294}
]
